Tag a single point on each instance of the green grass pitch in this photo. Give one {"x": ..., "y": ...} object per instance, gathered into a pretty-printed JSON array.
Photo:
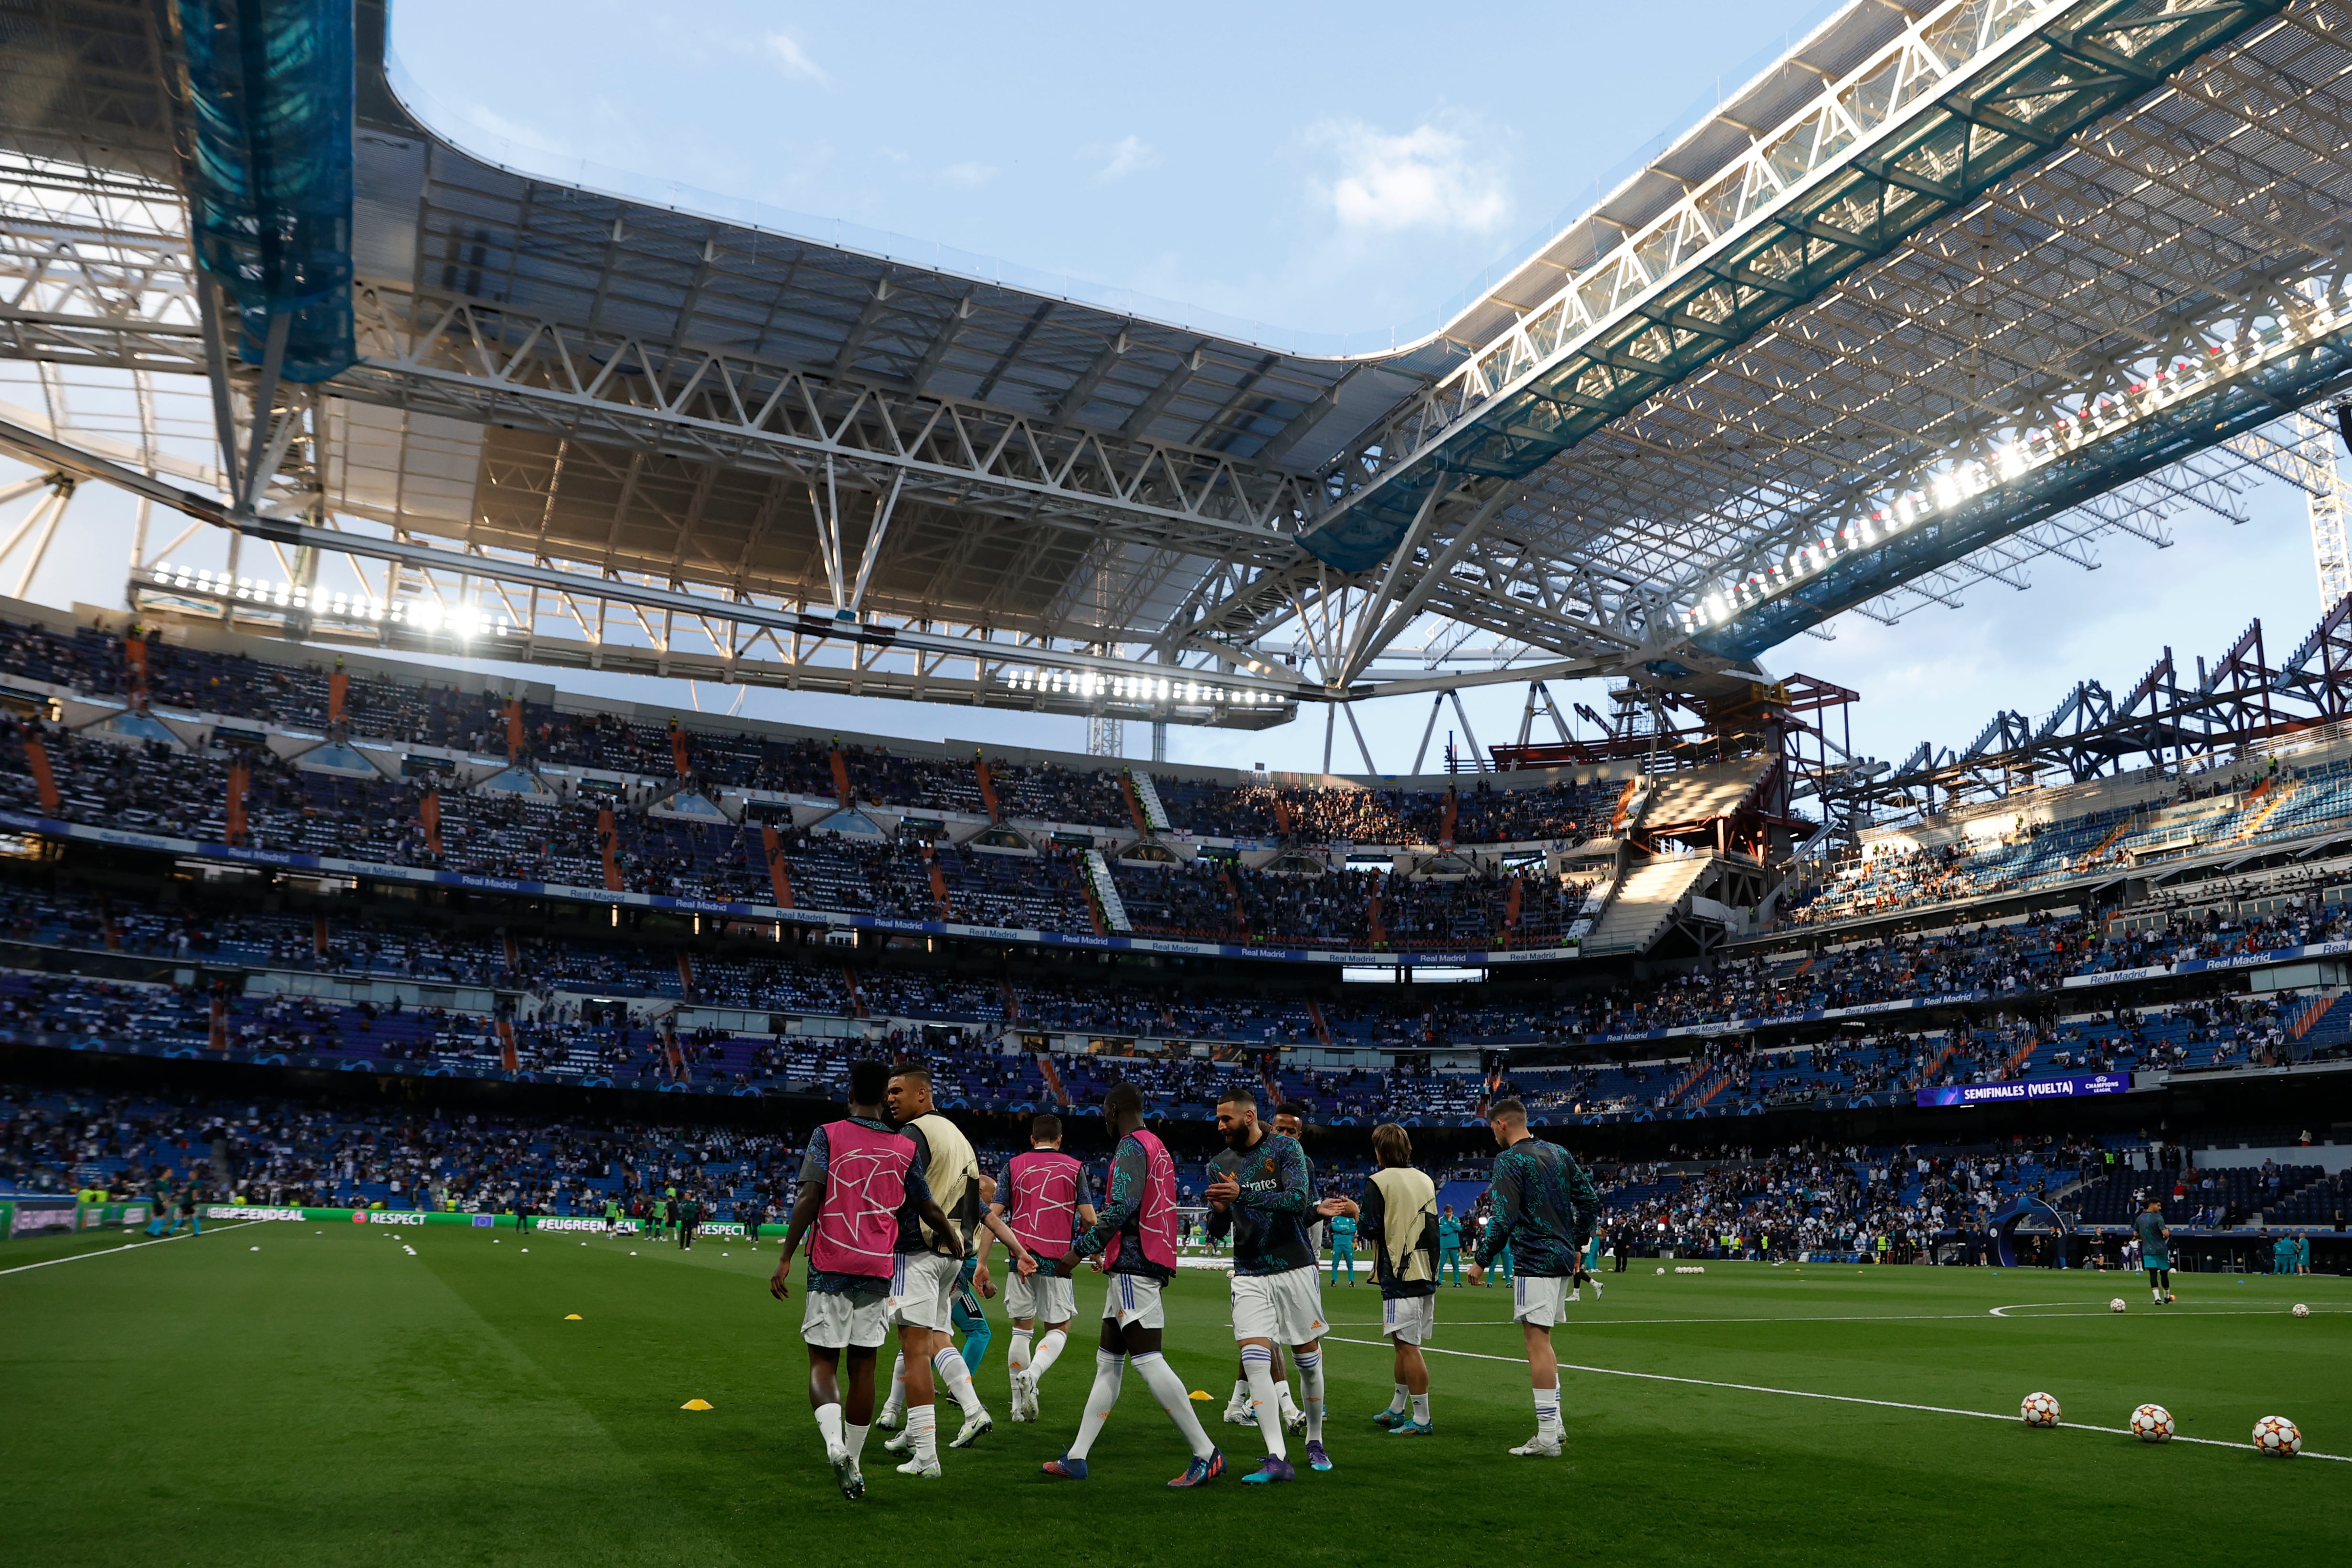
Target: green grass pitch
[{"x": 338, "y": 1398}]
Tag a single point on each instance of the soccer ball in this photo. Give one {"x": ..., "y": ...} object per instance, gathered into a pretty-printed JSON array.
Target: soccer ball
[
  {"x": 2152, "y": 1424},
  {"x": 1661, "y": 1268},
  {"x": 2116, "y": 1305},
  {"x": 2039, "y": 1410},
  {"x": 2278, "y": 1437},
  {"x": 2301, "y": 1311}
]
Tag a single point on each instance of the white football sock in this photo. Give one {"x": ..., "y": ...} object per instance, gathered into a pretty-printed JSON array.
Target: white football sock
[
  {"x": 1421, "y": 1408},
  {"x": 1049, "y": 1350},
  {"x": 1169, "y": 1389},
  {"x": 1241, "y": 1390},
  {"x": 1017, "y": 1354},
  {"x": 828, "y": 1421},
  {"x": 1311, "y": 1386},
  {"x": 1398, "y": 1400},
  {"x": 1258, "y": 1363},
  {"x": 1547, "y": 1411},
  {"x": 956, "y": 1378},
  {"x": 1110, "y": 1367},
  {"x": 923, "y": 1423},
  {"x": 897, "y": 1400},
  {"x": 853, "y": 1438}
]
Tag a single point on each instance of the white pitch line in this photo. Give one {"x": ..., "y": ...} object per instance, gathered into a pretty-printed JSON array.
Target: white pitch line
[
  {"x": 126, "y": 1246},
  {"x": 1809, "y": 1394},
  {"x": 1582, "y": 1321}
]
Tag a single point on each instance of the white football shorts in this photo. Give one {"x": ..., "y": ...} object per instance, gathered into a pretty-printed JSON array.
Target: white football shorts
[
  {"x": 1409, "y": 1319},
  {"x": 922, "y": 1290},
  {"x": 1043, "y": 1295},
  {"x": 1133, "y": 1300},
  {"x": 832, "y": 1322},
  {"x": 1286, "y": 1308},
  {"x": 1539, "y": 1299}
]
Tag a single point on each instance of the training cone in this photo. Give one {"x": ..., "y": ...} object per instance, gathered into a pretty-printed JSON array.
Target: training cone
[
  {"x": 571, "y": 1317},
  {"x": 696, "y": 1405},
  {"x": 1201, "y": 1394}
]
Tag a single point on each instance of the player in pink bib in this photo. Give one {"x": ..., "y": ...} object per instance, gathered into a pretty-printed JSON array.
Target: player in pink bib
[
  {"x": 1135, "y": 1237},
  {"x": 1046, "y": 1198},
  {"x": 859, "y": 1183}
]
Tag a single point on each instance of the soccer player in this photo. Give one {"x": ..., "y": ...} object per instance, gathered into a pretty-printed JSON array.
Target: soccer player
[
  {"x": 1047, "y": 1199},
  {"x": 1343, "y": 1243},
  {"x": 2155, "y": 1249},
  {"x": 1449, "y": 1246},
  {"x": 1544, "y": 1208},
  {"x": 971, "y": 1318},
  {"x": 1290, "y": 1120},
  {"x": 1135, "y": 1238},
  {"x": 160, "y": 1219},
  {"x": 689, "y": 1217},
  {"x": 860, "y": 1186},
  {"x": 1588, "y": 1269},
  {"x": 922, "y": 1291},
  {"x": 1259, "y": 1190},
  {"x": 612, "y": 1215},
  {"x": 1398, "y": 1215}
]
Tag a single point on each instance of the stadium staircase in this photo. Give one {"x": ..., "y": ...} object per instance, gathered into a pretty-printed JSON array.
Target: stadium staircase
[
  {"x": 1155, "y": 814},
  {"x": 1646, "y": 901},
  {"x": 1053, "y": 1077},
  {"x": 987, "y": 788},
  {"x": 940, "y": 899},
  {"x": 1315, "y": 1016},
  {"x": 2276, "y": 795},
  {"x": 1114, "y": 911},
  {"x": 2307, "y": 1014},
  {"x": 1698, "y": 796},
  {"x": 2332, "y": 1025},
  {"x": 1133, "y": 800},
  {"x": 1683, "y": 1085}
]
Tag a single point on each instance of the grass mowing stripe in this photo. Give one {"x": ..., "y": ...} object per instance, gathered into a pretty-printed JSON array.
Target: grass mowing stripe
[
  {"x": 1809, "y": 1394},
  {"x": 126, "y": 1246}
]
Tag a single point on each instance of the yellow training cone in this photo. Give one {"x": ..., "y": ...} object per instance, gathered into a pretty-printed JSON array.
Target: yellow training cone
[
  {"x": 1201, "y": 1394},
  {"x": 571, "y": 1317},
  {"x": 696, "y": 1405}
]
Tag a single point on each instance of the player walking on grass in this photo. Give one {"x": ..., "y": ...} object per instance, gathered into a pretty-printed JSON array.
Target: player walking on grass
[
  {"x": 159, "y": 1196},
  {"x": 1449, "y": 1246},
  {"x": 922, "y": 1291},
  {"x": 1398, "y": 1215},
  {"x": 970, "y": 1315},
  {"x": 1135, "y": 1238},
  {"x": 1290, "y": 1120},
  {"x": 1260, "y": 1191},
  {"x": 860, "y": 1187},
  {"x": 2155, "y": 1249},
  {"x": 1046, "y": 1197},
  {"x": 1544, "y": 1209},
  {"x": 1588, "y": 1269}
]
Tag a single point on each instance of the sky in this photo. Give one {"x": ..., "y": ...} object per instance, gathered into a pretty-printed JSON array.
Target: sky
[{"x": 1316, "y": 168}]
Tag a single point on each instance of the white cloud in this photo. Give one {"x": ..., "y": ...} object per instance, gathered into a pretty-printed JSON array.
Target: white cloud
[
  {"x": 1131, "y": 154},
  {"x": 1428, "y": 178},
  {"x": 794, "y": 61},
  {"x": 973, "y": 174}
]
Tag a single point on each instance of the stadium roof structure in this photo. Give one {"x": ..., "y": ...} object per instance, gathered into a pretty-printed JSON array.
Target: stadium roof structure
[{"x": 1952, "y": 284}]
